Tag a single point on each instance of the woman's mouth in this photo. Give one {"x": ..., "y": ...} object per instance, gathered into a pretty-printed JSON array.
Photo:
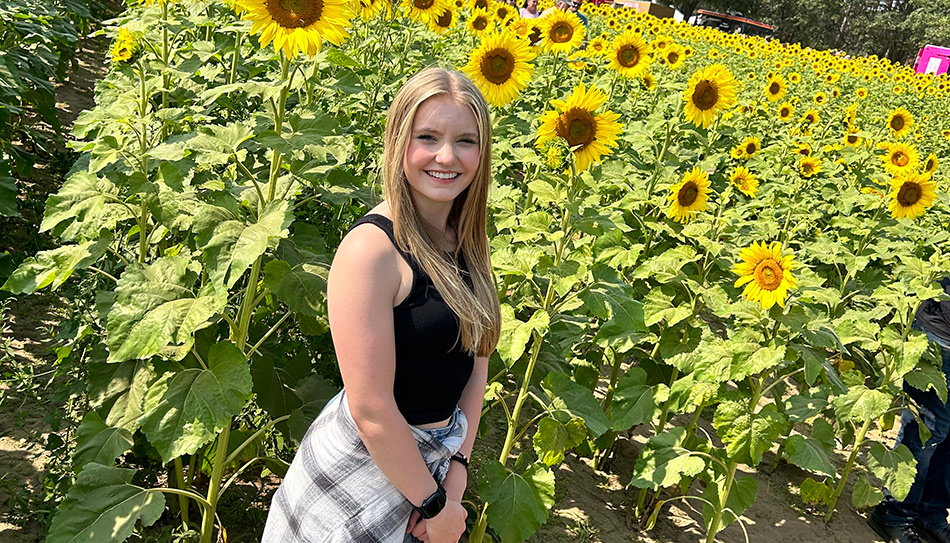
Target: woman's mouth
[{"x": 443, "y": 176}]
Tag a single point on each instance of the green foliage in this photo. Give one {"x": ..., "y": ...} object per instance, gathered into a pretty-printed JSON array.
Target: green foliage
[{"x": 518, "y": 503}]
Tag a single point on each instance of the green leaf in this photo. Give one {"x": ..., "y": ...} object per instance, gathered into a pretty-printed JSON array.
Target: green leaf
[
  {"x": 123, "y": 384},
  {"x": 103, "y": 507},
  {"x": 156, "y": 312},
  {"x": 741, "y": 497},
  {"x": 235, "y": 244},
  {"x": 517, "y": 504},
  {"x": 53, "y": 267},
  {"x": 927, "y": 376},
  {"x": 762, "y": 359},
  {"x": 313, "y": 392},
  {"x": 553, "y": 438},
  {"x": 907, "y": 354},
  {"x": 861, "y": 404},
  {"x": 515, "y": 334},
  {"x": 577, "y": 400},
  {"x": 626, "y": 327},
  {"x": 185, "y": 410},
  {"x": 82, "y": 206},
  {"x": 302, "y": 287},
  {"x": 8, "y": 191},
  {"x": 746, "y": 435},
  {"x": 815, "y": 493},
  {"x": 659, "y": 306},
  {"x": 864, "y": 495},
  {"x": 99, "y": 443},
  {"x": 633, "y": 401},
  {"x": 895, "y": 468},
  {"x": 808, "y": 453},
  {"x": 664, "y": 461}
]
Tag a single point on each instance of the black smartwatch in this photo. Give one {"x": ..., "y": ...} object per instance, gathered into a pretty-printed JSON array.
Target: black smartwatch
[{"x": 434, "y": 504}]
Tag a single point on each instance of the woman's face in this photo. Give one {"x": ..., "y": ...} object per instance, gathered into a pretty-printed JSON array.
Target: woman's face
[
  {"x": 532, "y": 5},
  {"x": 443, "y": 152}
]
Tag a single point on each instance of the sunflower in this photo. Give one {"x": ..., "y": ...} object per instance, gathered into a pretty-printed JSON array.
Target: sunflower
[
  {"x": 746, "y": 149},
  {"x": 673, "y": 56},
  {"x": 911, "y": 195},
  {"x": 424, "y": 10},
  {"x": 852, "y": 139},
  {"x": 598, "y": 45},
  {"x": 563, "y": 31},
  {"x": 946, "y": 134},
  {"x": 711, "y": 90},
  {"x": 820, "y": 98},
  {"x": 794, "y": 78},
  {"x": 630, "y": 55},
  {"x": 297, "y": 26},
  {"x": 931, "y": 164},
  {"x": 503, "y": 13},
  {"x": 900, "y": 158},
  {"x": 785, "y": 112},
  {"x": 479, "y": 23},
  {"x": 442, "y": 23},
  {"x": 900, "y": 121},
  {"x": 536, "y": 33},
  {"x": 809, "y": 166},
  {"x": 484, "y": 5},
  {"x": 775, "y": 88},
  {"x": 803, "y": 148},
  {"x": 689, "y": 196},
  {"x": 573, "y": 120},
  {"x": 811, "y": 117},
  {"x": 124, "y": 46},
  {"x": 766, "y": 274},
  {"x": 369, "y": 9},
  {"x": 500, "y": 67},
  {"x": 745, "y": 181},
  {"x": 649, "y": 82}
]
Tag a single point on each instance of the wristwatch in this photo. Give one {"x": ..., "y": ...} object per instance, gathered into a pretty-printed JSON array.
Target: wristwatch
[{"x": 434, "y": 504}]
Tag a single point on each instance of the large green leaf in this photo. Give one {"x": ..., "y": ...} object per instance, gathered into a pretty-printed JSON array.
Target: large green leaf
[
  {"x": 862, "y": 404},
  {"x": 124, "y": 385},
  {"x": 236, "y": 244},
  {"x": 8, "y": 191},
  {"x": 741, "y": 497},
  {"x": 626, "y": 327},
  {"x": 864, "y": 494},
  {"x": 156, "y": 312},
  {"x": 659, "y": 306},
  {"x": 302, "y": 287},
  {"x": 908, "y": 353},
  {"x": 517, "y": 504},
  {"x": 515, "y": 334},
  {"x": 53, "y": 267},
  {"x": 664, "y": 461},
  {"x": 633, "y": 401},
  {"x": 577, "y": 400},
  {"x": 554, "y": 438},
  {"x": 809, "y": 453},
  {"x": 103, "y": 507},
  {"x": 184, "y": 410},
  {"x": 928, "y": 377},
  {"x": 313, "y": 392},
  {"x": 895, "y": 468},
  {"x": 746, "y": 435},
  {"x": 762, "y": 359},
  {"x": 83, "y": 205},
  {"x": 99, "y": 443}
]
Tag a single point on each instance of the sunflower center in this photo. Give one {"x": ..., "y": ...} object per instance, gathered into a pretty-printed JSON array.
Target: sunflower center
[
  {"x": 480, "y": 23},
  {"x": 672, "y": 57},
  {"x": 784, "y": 112},
  {"x": 750, "y": 149},
  {"x": 930, "y": 165},
  {"x": 852, "y": 139},
  {"x": 900, "y": 158},
  {"x": 535, "y": 36},
  {"x": 774, "y": 87},
  {"x": 897, "y": 123},
  {"x": 295, "y": 13},
  {"x": 909, "y": 194},
  {"x": 561, "y": 33},
  {"x": 688, "y": 194},
  {"x": 497, "y": 65},
  {"x": 628, "y": 56},
  {"x": 444, "y": 20},
  {"x": 577, "y": 126},
  {"x": 423, "y": 4},
  {"x": 768, "y": 274},
  {"x": 481, "y": 4},
  {"x": 706, "y": 95}
]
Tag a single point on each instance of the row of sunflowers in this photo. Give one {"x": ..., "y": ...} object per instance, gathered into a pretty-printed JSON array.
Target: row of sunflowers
[{"x": 685, "y": 225}]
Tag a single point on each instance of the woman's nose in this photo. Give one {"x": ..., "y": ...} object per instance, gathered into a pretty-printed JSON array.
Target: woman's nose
[{"x": 445, "y": 154}]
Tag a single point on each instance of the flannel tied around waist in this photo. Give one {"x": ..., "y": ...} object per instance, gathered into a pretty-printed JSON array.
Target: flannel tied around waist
[{"x": 334, "y": 492}]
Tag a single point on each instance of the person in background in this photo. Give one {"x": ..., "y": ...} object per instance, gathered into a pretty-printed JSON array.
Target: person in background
[
  {"x": 576, "y": 10},
  {"x": 530, "y": 9},
  {"x": 922, "y": 514},
  {"x": 558, "y": 4}
]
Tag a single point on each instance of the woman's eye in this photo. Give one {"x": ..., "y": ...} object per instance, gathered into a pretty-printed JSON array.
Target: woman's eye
[
  {"x": 469, "y": 141},
  {"x": 426, "y": 137}
]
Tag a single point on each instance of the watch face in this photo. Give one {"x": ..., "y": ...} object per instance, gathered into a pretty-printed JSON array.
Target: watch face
[{"x": 433, "y": 505}]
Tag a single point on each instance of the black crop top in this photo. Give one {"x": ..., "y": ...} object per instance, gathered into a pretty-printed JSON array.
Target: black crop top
[{"x": 432, "y": 369}]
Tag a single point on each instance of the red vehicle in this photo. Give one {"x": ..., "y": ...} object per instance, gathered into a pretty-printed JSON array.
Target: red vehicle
[{"x": 733, "y": 24}]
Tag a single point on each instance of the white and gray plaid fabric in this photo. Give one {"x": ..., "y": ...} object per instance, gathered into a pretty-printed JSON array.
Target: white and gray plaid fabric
[{"x": 335, "y": 493}]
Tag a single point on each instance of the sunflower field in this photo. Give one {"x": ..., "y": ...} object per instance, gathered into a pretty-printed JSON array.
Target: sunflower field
[{"x": 689, "y": 229}]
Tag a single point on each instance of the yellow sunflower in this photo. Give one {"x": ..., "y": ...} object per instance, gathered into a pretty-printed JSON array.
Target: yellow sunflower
[
  {"x": 424, "y": 10},
  {"x": 852, "y": 139},
  {"x": 500, "y": 67},
  {"x": 911, "y": 195},
  {"x": 766, "y": 274},
  {"x": 369, "y": 9},
  {"x": 674, "y": 56},
  {"x": 630, "y": 55},
  {"x": 794, "y": 78},
  {"x": 776, "y": 88},
  {"x": 124, "y": 46},
  {"x": 298, "y": 26},
  {"x": 573, "y": 120},
  {"x": 946, "y": 134},
  {"x": 900, "y": 121},
  {"x": 861, "y": 93},
  {"x": 809, "y": 166},
  {"x": 479, "y": 23},
  {"x": 441, "y": 24},
  {"x": 711, "y": 90},
  {"x": 900, "y": 158},
  {"x": 598, "y": 46},
  {"x": 503, "y": 13},
  {"x": 745, "y": 181},
  {"x": 649, "y": 82},
  {"x": 484, "y": 5},
  {"x": 563, "y": 31},
  {"x": 820, "y": 98},
  {"x": 931, "y": 164},
  {"x": 811, "y": 117},
  {"x": 689, "y": 196},
  {"x": 785, "y": 112}
]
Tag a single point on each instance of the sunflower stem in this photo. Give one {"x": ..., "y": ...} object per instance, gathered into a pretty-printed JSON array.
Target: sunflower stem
[{"x": 238, "y": 39}]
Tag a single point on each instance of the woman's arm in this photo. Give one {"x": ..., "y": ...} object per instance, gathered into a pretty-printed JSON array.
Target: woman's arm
[{"x": 471, "y": 403}]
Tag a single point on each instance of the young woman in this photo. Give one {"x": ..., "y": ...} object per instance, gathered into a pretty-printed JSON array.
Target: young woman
[{"x": 414, "y": 315}]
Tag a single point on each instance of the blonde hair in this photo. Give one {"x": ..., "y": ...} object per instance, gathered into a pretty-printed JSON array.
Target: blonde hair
[{"x": 477, "y": 308}]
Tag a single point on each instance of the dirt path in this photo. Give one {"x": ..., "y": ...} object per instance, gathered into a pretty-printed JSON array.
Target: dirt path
[{"x": 25, "y": 420}]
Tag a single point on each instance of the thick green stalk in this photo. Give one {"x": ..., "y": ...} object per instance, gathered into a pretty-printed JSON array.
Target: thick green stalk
[
  {"x": 723, "y": 496},
  {"x": 232, "y": 75},
  {"x": 276, "y": 157},
  {"x": 143, "y": 233},
  {"x": 182, "y": 500},
  {"x": 858, "y": 441},
  {"x": 214, "y": 486},
  {"x": 522, "y": 396}
]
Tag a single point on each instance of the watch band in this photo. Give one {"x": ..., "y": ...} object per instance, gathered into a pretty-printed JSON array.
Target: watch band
[
  {"x": 461, "y": 459},
  {"x": 434, "y": 504}
]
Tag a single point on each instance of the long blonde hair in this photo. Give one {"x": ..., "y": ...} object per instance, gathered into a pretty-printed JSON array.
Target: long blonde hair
[{"x": 477, "y": 308}]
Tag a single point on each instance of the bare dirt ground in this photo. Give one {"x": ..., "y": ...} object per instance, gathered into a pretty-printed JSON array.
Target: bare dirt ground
[{"x": 24, "y": 427}]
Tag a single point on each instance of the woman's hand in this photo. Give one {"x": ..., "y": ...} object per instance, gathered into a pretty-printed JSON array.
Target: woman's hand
[{"x": 446, "y": 527}]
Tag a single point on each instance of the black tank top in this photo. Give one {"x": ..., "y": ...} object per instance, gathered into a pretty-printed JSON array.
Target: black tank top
[{"x": 432, "y": 369}]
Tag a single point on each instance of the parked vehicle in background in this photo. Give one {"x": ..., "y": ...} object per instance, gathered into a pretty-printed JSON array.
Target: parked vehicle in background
[
  {"x": 656, "y": 10},
  {"x": 933, "y": 59},
  {"x": 731, "y": 23}
]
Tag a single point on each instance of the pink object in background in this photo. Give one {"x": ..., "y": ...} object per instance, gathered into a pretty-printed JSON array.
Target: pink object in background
[{"x": 933, "y": 60}]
